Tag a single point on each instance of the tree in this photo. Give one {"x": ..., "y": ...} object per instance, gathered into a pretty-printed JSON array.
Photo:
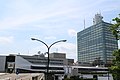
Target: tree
[
  {"x": 115, "y": 68},
  {"x": 115, "y": 28}
]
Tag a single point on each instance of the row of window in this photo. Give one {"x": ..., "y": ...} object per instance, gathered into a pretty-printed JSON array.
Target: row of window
[{"x": 41, "y": 59}]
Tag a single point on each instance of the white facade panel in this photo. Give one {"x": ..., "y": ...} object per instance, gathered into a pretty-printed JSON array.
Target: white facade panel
[
  {"x": 22, "y": 63},
  {"x": 2, "y": 63}
]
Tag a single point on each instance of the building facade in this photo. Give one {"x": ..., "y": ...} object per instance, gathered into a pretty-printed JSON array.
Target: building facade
[
  {"x": 35, "y": 63},
  {"x": 96, "y": 42}
]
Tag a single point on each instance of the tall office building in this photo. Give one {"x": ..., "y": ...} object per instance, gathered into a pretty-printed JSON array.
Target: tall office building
[{"x": 96, "y": 42}]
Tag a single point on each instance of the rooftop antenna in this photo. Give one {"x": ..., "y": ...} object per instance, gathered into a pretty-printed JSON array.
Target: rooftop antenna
[
  {"x": 110, "y": 22},
  {"x": 84, "y": 23},
  {"x": 57, "y": 50},
  {"x": 100, "y": 12},
  {"x": 18, "y": 53},
  {"x": 28, "y": 51},
  {"x": 39, "y": 52}
]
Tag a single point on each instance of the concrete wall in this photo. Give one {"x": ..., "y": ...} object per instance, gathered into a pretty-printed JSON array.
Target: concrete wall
[
  {"x": 23, "y": 76},
  {"x": 2, "y": 63},
  {"x": 58, "y": 55}
]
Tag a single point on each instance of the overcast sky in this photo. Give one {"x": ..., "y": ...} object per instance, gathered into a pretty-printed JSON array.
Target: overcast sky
[{"x": 49, "y": 21}]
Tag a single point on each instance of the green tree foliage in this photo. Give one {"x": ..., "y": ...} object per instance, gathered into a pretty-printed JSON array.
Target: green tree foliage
[
  {"x": 115, "y": 68},
  {"x": 74, "y": 78},
  {"x": 115, "y": 28}
]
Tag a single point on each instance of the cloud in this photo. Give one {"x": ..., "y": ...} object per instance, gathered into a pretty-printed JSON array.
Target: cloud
[
  {"x": 16, "y": 21},
  {"x": 6, "y": 40},
  {"x": 45, "y": 17},
  {"x": 50, "y": 37},
  {"x": 72, "y": 32},
  {"x": 24, "y": 15},
  {"x": 68, "y": 48},
  {"x": 62, "y": 47}
]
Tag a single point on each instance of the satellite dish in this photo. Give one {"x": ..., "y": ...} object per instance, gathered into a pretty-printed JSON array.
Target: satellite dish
[{"x": 39, "y": 52}]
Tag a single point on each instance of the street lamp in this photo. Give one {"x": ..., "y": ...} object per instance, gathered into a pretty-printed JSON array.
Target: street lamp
[{"x": 48, "y": 49}]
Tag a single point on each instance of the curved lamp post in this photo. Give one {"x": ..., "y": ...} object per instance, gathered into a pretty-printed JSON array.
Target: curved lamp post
[{"x": 48, "y": 49}]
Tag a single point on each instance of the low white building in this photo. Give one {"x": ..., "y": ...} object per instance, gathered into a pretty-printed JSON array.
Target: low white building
[{"x": 38, "y": 64}]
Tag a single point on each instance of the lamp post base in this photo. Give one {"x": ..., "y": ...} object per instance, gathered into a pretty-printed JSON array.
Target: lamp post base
[{"x": 49, "y": 76}]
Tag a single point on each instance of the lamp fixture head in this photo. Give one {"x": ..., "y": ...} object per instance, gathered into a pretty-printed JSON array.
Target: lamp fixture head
[{"x": 33, "y": 39}]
